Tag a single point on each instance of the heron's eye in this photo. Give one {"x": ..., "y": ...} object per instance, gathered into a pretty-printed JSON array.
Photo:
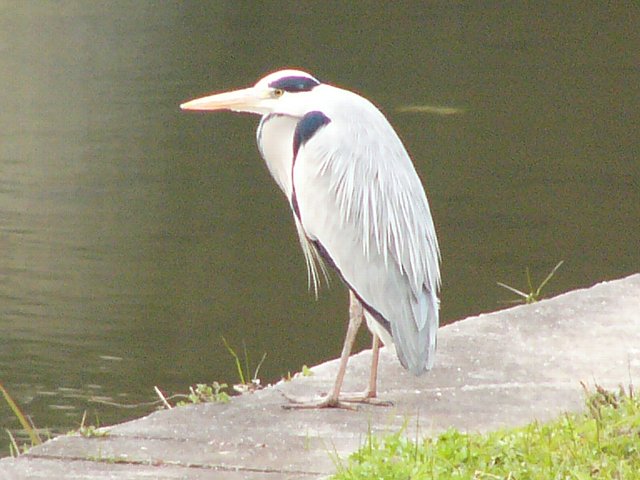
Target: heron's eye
[{"x": 278, "y": 92}]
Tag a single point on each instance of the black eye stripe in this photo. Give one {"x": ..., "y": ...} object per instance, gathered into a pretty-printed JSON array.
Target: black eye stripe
[{"x": 295, "y": 84}]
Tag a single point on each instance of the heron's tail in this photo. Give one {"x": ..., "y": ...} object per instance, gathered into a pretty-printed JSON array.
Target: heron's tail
[{"x": 415, "y": 341}]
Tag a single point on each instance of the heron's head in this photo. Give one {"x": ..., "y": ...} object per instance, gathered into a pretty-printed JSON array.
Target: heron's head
[{"x": 289, "y": 92}]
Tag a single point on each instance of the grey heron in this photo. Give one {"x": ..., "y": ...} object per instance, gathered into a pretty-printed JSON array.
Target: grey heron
[{"x": 358, "y": 206}]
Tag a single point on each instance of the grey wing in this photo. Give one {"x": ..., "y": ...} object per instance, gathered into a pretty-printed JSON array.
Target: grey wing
[{"x": 362, "y": 203}]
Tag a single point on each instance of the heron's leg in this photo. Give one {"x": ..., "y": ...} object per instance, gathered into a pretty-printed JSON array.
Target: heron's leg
[
  {"x": 372, "y": 391},
  {"x": 370, "y": 394},
  {"x": 356, "y": 316},
  {"x": 355, "y": 320}
]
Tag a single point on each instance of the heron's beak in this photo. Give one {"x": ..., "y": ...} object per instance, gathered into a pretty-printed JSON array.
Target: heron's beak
[{"x": 245, "y": 100}]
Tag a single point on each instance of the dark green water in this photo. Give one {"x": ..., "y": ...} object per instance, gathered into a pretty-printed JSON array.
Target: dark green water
[{"x": 134, "y": 236}]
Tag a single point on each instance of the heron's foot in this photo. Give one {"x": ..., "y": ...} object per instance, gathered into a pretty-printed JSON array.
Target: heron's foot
[
  {"x": 346, "y": 401},
  {"x": 324, "y": 401},
  {"x": 366, "y": 397}
]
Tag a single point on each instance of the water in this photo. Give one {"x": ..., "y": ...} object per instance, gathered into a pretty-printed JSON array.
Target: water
[{"x": 134, "y": 236}]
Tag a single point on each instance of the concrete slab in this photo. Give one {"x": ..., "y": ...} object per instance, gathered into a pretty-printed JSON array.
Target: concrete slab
[{"x": 499, "y": 369}]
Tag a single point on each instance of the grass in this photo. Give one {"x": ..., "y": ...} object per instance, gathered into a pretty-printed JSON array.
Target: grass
[
  {"x": 602, "y": 443},
  {"x": 535, "y": 294},
  {"x": 204, "y": 393},
  {"x": 90, "y": 431},
  {"x": 216, "y": 392},
  {"x": 14, "y": 448},
  {"x": 247, "y": 383},
  {"x": 305, "y": 372}
]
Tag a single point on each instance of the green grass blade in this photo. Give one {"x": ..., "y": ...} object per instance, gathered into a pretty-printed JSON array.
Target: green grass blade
[
  {"x": 551, "y": 274},
  {"x": 14, "y": 449},
  {"x": 33, "y": 434},
  {"x": 246, "y": 359},
  {"x": 514, "y": 290},
  {"x": 257, "y": 371},
  {"x": 237, "y": 360}
]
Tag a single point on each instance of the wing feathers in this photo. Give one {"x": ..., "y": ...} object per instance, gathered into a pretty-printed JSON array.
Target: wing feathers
[{"x": 360, "y": 196}]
